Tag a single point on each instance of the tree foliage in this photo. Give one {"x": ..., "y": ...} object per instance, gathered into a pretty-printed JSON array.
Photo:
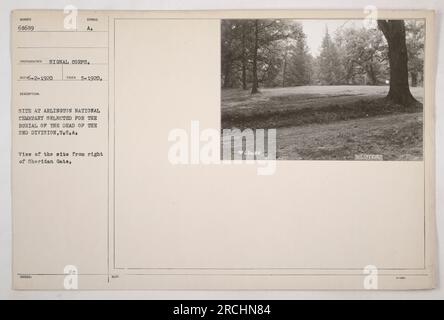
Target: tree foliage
[
  {"x": 263, "y": 52},
  {"x": 271, "y": 53},
  {"x": 330, "y": 71},
  {"x": 415, "y": 50},
  {"x": 363, "y": 56}
]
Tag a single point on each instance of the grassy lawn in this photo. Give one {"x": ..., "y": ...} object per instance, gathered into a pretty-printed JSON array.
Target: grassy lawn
[{"x": 329, "y": 122}]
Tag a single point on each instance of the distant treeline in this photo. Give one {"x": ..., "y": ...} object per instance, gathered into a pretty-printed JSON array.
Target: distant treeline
[{"x": 274, "y": 53}]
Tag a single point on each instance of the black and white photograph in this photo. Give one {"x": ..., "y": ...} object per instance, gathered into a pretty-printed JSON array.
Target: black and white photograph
[
  {"x": 332, "y": 89},
  {"x": 211, "y": 151}
]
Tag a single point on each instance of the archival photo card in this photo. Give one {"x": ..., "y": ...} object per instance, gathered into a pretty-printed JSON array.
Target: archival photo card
[{"x": 259, "y": 150}]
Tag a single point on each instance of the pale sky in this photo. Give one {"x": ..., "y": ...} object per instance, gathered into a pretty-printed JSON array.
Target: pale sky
[{"x": 315, "y": 31}]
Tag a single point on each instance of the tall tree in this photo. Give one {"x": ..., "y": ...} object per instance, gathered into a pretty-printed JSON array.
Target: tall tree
[
  {"x": 297, "y": 71},
  {"x": 235, "y": 52},
  {"x": 394, "y": 32},
  {"x": 244, "y": 53},
  {"x": 330, "y": 72},
  {"x": 267, "y": 47},
  {"x": 227, "y": 53},
  {"x": 415, "y": 49},
  {"x": 255, "y": 87},
  {"x": 284, "y": 65},
  {"x": 362, "y": 54}
]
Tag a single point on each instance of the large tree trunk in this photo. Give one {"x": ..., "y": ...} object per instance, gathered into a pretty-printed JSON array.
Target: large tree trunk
[
  {"x": 284, "y": 69},
  {"x": 372, "y": 75},
  {"x": 255, "y": 87},
  {"x": 394, "y": 32},
  {"x": 244, "y": 75},
  {"x": 414, "y": 76},
  {"x": 244, "y": 57},
  {"x": 227, "y": 74}
]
